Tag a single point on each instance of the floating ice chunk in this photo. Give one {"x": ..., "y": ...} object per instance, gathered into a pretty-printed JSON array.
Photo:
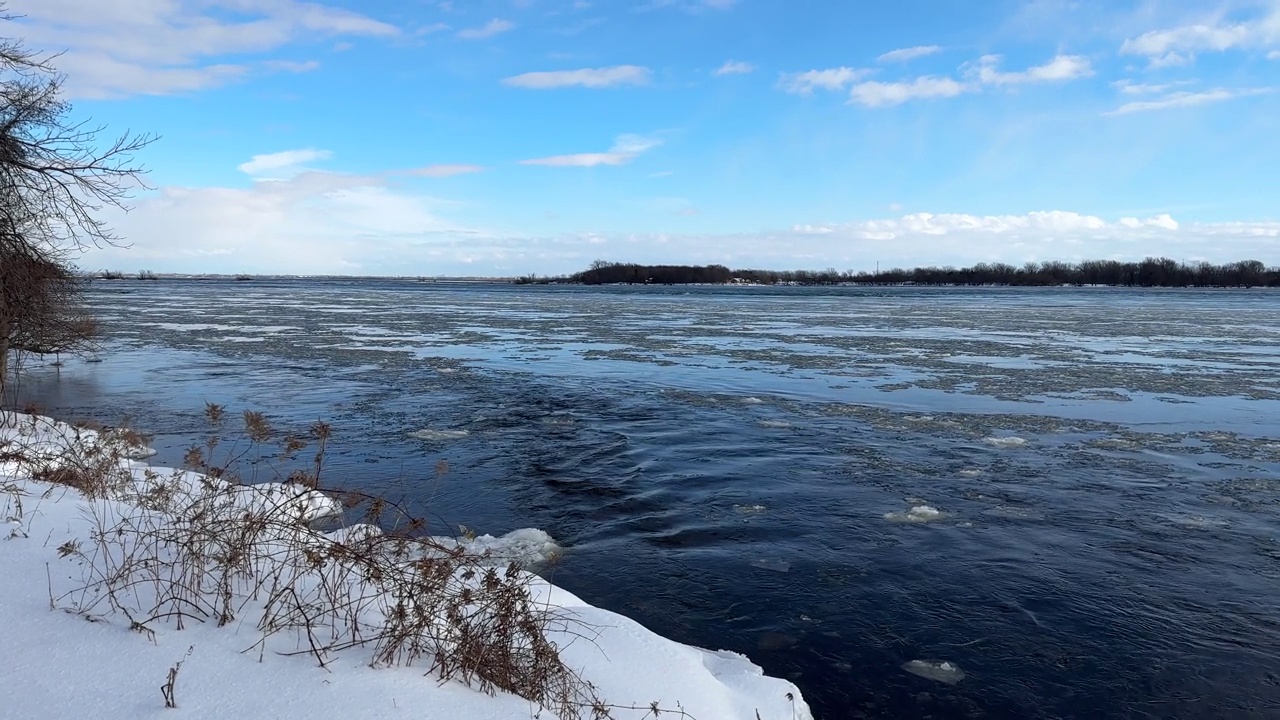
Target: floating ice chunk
[
  {"x": 138, "y": 452},
  {"x": 773, "y": 423},
  {"x": 771, "y": 564},
  {"x": 970, "y": 472},
  {"x": 943, "y": 672},
  {"x": 1195, "y": 521},
  {"x": 527, "y": 547},
  {"x": 1014, "y": 513},
  {"x": 1007, "y": 442},
  {"x": 438, "y": 435},
  {"x": 917, "y": 514},
  {"x": 749, "y": 509}
]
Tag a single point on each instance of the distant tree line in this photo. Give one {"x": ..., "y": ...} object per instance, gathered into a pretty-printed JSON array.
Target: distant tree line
[{"x": 1151, "y": 272}]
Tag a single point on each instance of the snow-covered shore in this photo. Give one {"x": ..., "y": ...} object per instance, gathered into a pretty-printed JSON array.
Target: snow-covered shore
[{"x": 62, "y": 661}]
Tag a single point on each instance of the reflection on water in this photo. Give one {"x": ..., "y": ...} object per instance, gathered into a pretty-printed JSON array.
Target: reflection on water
[{"x": 955, "y": 503}]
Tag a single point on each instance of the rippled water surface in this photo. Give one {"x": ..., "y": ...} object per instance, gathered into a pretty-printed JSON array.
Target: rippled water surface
[{"x": 1071, "y": 495}]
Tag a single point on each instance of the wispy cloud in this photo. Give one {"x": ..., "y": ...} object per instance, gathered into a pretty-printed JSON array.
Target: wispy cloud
[
  {"x": 587, "y": 77},
  {"x": 432, "y": 29},
  {"x": 495, "y": 26},
  {"x": 882, "y": 94},
  {"x": 804, "y": 83},
  {"x": 977, "y": 75},
  {"x": 907, "y": 54},
  {"x": 625, "y": 149},
  {"x": 444, "y": 171},
  {"x": 1188, "y": 99},
  {"x": 734, "y": 67},
  {"x": 1129, "y": 87},
  {"x": 159, "y": 48},
  {"x": 1179, "y": 45},
  {"x": 691, "y": 6},
  {"x": 281, "y": 164},
  {"x": 1061, "y": 68}
]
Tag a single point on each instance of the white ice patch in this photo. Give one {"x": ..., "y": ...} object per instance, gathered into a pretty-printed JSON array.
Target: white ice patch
[
  {"x": 439, "y": 435},
  {"x": 1011, "y": 441},
  {"x": 917, "y": 514},
  {"x": 1195, "y": 521},
  {"x": 943, "y": 672},
  {"x": 139, "y": 452},
  {"x": 781, "y": 566},
  {"x": 527, "y": 547}
]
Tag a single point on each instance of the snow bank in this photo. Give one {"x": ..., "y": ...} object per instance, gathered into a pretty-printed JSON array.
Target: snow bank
[{"x": 61, "y": 666}]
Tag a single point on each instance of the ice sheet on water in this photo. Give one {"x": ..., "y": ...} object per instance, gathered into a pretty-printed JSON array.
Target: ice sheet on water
[{"x": 943, "y": 672}]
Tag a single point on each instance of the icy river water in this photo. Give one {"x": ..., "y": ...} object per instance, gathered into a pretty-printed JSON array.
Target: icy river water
[{"x": 1072, "y": 495}]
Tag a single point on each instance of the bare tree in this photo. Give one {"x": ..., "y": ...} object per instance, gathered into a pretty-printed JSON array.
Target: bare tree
[{"x": 56, "y": 175}]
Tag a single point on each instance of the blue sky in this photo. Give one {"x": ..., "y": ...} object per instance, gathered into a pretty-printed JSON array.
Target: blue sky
[{"x": 480, "y": 137}]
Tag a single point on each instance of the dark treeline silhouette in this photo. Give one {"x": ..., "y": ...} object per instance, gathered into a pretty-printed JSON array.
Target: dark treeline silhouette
[{"x": 1151, "y": 272}]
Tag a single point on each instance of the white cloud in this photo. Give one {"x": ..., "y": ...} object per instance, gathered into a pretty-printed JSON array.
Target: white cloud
[
  {"x": 980, "y": 74},
  {"x": 1128, "y": 87},
  {"x": 1060, "y": 68},
  {"x": 691, "y": 6},
  {"x": 907, "y": 54},
  {"x": 432, "y": 29},
  {"x": 321, "y": 223},
  {"x": 1273, "y": 55},
  {"x": 805, "y": 83},
  {"x": 443, "y": 171},
  {"x": 1178, "y": 45},
  {"x": 1184, "y": 99},
  {"x": 159, "y": 46},
  {"x": 496, "y": 26},
  {"x": 880, "y": 94},
  {"x": 313, "y": 223},
  {"x": 734, "y": 67},
  {"x": 625, "y": 149},
  {"x": 586, "y": 77},
  {"x": 282, "y": 164}
]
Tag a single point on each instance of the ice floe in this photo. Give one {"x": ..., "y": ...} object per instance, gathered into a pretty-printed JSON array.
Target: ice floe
[
  {"x": 916, "y": 514},
  {"x": 943, "y": 672}
]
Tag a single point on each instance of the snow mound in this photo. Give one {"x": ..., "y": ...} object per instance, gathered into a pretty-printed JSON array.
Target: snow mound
[{"x": 105, "y": 671}]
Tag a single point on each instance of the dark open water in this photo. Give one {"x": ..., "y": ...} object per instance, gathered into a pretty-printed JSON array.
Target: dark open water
[{"x": 720, "y": 463}]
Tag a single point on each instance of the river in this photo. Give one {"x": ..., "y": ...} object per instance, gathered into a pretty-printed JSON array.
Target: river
[{"x": 1070, "y": 494}]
